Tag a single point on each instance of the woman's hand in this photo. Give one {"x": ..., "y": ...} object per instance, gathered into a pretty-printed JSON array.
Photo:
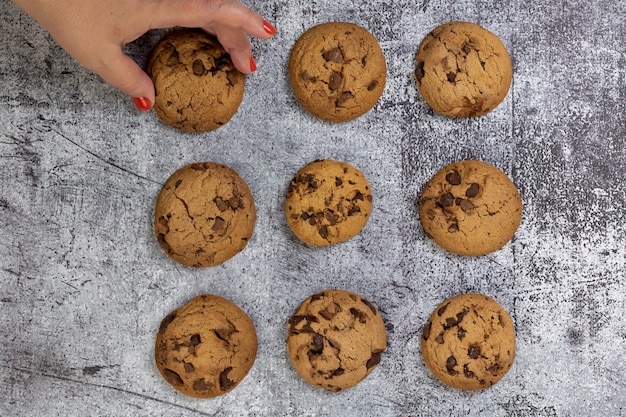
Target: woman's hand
[{"x": 95, "y": 31}]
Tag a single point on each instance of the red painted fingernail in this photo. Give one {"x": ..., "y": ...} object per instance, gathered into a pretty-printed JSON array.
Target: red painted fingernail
[
  {"x": 252, "y": 64},
  {"x": 269, "y": 28},
  {"x": 142, "y": 103}
]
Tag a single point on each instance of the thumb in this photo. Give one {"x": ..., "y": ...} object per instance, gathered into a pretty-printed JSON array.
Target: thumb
[{"x": 120, "y": 71}]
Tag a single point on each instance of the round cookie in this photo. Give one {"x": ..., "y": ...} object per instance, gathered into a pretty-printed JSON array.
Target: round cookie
[
  {"x": 335, "y": 339},
  {"x": 337, "y": 71},
  {"x": 463, "y": 70},
  {"x": 198, "y": 88},
  {"x": 470, "y": 208},
  {"x": 206, "y": 347},
  {"x": 469, "y": 342},
  {"x": 328, "y": 202},
  {"x": 204, "y": 214}
]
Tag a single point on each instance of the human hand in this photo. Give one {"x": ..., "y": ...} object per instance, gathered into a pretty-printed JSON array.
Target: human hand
[{"x": 95, "y": 31}]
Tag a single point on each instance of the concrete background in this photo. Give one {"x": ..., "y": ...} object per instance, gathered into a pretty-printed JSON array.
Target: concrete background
[{"x": 84, "y": 284}]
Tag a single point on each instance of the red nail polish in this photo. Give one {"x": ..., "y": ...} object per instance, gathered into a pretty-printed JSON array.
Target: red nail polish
[
  {"x": 269, "y": 28},
  {"x": 252, "y": 64},
  {"x": 142, "y": 103}
]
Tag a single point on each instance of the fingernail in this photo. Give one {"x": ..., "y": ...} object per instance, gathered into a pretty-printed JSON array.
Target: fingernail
[
  {"x": 269, "y": 28},
  {"x": 142, "y": 103},
  {"x": 252, "y": 64}
]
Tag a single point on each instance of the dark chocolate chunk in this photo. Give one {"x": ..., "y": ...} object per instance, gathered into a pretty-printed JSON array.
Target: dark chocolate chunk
[
  {"x": 466, "y": 48},
  {"x": 467, "y": 372},
  {"x": 334, "y": 82},
  {"x": 369, "y": 305},
  {"x": 221, "y": 204},
  {"x": 232, "y": 77},
  {"x": 189, "y": 368},
  {"x": 318, "y": 344},
  {"x": 373, "y": 360},
  {"x": 358, "y": 314},
  {"x": 447, "y": 200},
  {"x": 173, "y": 59},
  {"x": 343, "y": 97},
  {"x": 358, "y": 196},
  {"x": 323, "y": 231},
  {"x": 453, "y": 178},
  {"x": 201, "y": 385},
  {"x": 195, "y": 340},
  {"x": 472, "y": 191},
  {"x": 453, "y": 228},
  {"x": 419, "y": 71},
  {"x": 354, "y": 210},
  {"x": 178, "y": 183},
  {"x": 451, "y": 76},
  {"x": 450, "y": 364},
  {"x": 331, "y": 217},
  {"x": 473, "y": 351},
  {"x": 442, "y": 309},
  {"x": 426, "y": 331},
  {"x": 334, "y": 55},
  {"x": 461, "y": 333},
  {"x": 338, "y": 371},
  {"x": 218, "y": 224},
  {"x": 166, "y": 322},
  {"x": 198, "y": 67},
  {"x": 173, "y": 378},
  {"x": 451, "y": 321},
  {"x": 338, "y": 181},
  {"x": 439, "y": 338},
  {"x": 225, "y": 383},
  {"x": 466, "y": 205},
  {"x": 372, "y": 85},
  {"x": 225, "y": 333}
]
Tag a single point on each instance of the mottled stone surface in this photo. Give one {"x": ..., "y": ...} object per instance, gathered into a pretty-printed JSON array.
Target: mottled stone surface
[{"x": 84, "y": 283}]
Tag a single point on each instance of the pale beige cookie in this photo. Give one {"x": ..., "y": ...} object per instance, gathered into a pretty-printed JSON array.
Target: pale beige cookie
[
  {"x": 204, "y": 214},
  {"x": 197, "y": 86},
  {"x": 463, "y": 70},
  {"x": 337, "y": 71},
  {"x": 469, "y": 342},
  {"x": 328, "y": 202},
  {"x": 206, "y": 347},
  {"x": 470, "y": 208},
  {"x": 336, "y": 339}
]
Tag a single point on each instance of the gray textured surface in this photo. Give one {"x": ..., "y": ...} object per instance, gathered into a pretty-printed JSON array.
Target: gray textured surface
[{"x": 84, "y": 283}]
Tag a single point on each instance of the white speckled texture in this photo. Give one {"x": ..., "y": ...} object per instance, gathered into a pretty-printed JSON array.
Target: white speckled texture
[{"x": 84, "y": 283}]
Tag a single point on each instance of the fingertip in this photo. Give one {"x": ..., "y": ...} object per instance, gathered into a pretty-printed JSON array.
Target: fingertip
[{"x": 143, "y": 104}]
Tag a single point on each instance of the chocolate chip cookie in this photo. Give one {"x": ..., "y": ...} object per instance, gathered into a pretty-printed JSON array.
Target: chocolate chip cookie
[
  {"x": 469, "y": 342},
  {"x": 328, "y": 202},
  {"x": 204, "y": 214},
  {"x": 206, "y": 347},
  {"x": 337, "y": 71},
  {"x": 470, "y": 208},
  {"x": 335, "y": 339},
  {"x": 463, "y": 70},
  {"x": 198, "y": 88}
]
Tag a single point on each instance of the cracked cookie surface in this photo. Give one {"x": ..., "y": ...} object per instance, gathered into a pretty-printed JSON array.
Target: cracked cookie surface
[
  {"x": 337, "y": 71},
  {"x": 328, "y": 202},
  {"x": 335, "y": 339},
  {"x": 198, "y": 88},
  {"x": 206, "y": 347},
  {"x": 469, "y": 342},
  {"x": 470, "y": 208},
  {"x": 204, "y": 214},
  {"x": 463, "y": 70}
]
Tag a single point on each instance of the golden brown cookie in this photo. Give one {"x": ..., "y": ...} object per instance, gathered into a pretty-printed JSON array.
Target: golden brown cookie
[
  {"x": 469, "y": 342},
  {"x": 197, "y": 86},
  {"x": 337, "y": 71},
  {"x": 204, "y": 214},
  {"x": 206, "y": 347},
  {"x": 470, "y": 208},
  {"x": 463, "y": 70},
  {"x": 335, "y": 339},
  {"x": 328, "y": 202}
]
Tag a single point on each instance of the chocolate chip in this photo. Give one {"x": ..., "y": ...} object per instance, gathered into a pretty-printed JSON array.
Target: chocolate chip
[
  {"x": 198, "y": 67},
  {"x": 369, "y": 305},
  {"x": 195, "y": 340},
  {"x": 358, "y": 314},
  {"x": 450, "y": 364},
  {"x": 439, "y": 338},
  {"x": 173, "y": 59},
  {"x": 218, "y": 224},
  {"x": 306, "y": 327},
  {"x": 467, "y": 372},
  {"x": 466, "y": 205},
  {"x": 334, "y": 82},
  {"x": 451, "y": 321},
  {"x": 372, "y": 85},
  {"x": 189, "y": 368},
  {"x": 201, "y": 385},
  {"x": 442, "y": 309},
  {"x": 473, "y": 351},
  {"x": 338, "y": 371},
  {"x": 334, "y": 55},
  {"x": 235, "y": 202},
  {"x": 426, "y": 331},
  {"x": 472, "y": 191},
  {"x": 461, "y": 333},
  {"x": 334, "y": 344},
  {"x": 323, "y": 231},
  {"x": 225, "y": 383},
  {"x": 451, "y": 76},
  {"x": 466, "y": 48},
  {"x": 232, "y": 77},
  {"x": 328, "y": 315},
  {"x": 447, "y": 200},
  {"x": 224, "y": 333},
  {"x": 338, "y": 182},
  {"x": 354, "y": 210},
  {"x": 332, "y": 218},
  {"x": 318, "y": 344},
  {"x": 317, "y": 296},
  {"x": 453, "y": 178},
  {"x": 178, "y": 183},
  {"x": 373, "y": 360},
  {"x": 173, "y": 378},
  {"x": 345, "y": 96},
  {"x": 419, "y": 71},
  {"x": 221, "y": 204},
  {"x": 166, "y": 322},
  {"x": 453, "y": 228},
  {"x": 358, "y": 196}
]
